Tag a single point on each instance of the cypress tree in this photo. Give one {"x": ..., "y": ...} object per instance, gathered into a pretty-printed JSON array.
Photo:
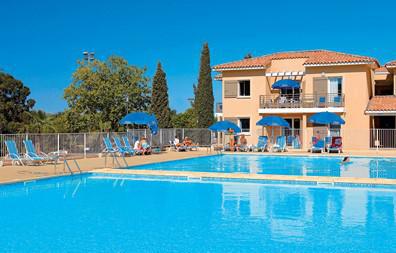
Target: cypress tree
[
  {"x": 159, "y": 98},
  {"x": 204, "y": 99}
]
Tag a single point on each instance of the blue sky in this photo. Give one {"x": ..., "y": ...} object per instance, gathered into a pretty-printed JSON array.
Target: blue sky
[{"x": 40, "y": 41}]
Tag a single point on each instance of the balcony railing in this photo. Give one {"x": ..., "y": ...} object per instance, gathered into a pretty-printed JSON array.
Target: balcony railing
[
  {"x": 383, "y": 138},
  {"x": 219, "y": 108},
  {"x": 302, "y": 100}
]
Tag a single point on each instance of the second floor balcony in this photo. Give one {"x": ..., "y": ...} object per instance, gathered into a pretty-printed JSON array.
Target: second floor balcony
[{"x": 278, "y": 101}]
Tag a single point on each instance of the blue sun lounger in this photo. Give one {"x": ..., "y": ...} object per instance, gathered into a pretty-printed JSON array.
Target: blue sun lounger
[
  {"x": 262, "y": 144},
  {"x": 122, "y": 149},
  {"x": 32, "y": 154},
  {"x": 128, "y": 146},
  {"x": 280, "y": 145},
  {"x": 108, "y": 146},
  {"x": 16, "y": 158},
  {"x": 318, "y": 145},
  {"x": 13, "y": 153}
]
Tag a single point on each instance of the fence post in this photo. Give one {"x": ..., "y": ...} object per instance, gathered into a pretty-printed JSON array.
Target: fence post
[
  {"x": 85, "y": 145},
  {"x": 58, "y": 143},
  {"x": 182, "y": 133},
  {"x": 160, "y": 134}
]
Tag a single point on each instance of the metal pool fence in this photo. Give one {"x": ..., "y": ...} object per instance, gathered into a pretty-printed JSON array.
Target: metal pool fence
[{"x": 91, "y": 144}]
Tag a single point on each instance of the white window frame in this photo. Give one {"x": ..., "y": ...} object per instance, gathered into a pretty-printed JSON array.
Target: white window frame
[
  {"x": 239, "y": 88},
  {"x": 240, "y": 125},
  {"x": 335, "y": 77}
]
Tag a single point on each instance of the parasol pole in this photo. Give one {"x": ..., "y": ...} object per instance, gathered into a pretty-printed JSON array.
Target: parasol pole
[{"x": 328, "y": 130}]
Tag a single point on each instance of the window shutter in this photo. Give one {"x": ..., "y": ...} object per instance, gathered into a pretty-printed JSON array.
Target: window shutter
[
  {"x": 320, "y": 85},
  {"x": 230, "y": 89}
]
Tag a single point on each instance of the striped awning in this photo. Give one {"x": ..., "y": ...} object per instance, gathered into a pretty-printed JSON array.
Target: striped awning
[{"x": 288, "y": 73}]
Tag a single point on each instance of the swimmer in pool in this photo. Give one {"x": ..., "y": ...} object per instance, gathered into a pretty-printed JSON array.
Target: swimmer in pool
[{"x": 346, "y": 159}]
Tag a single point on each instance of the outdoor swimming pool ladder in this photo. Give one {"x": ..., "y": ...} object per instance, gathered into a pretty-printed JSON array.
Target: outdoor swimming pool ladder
[
  {"x": 66, "y": 165},
  {"x": 116, "y": 161}
]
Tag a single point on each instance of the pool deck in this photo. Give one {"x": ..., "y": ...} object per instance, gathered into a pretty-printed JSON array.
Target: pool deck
[{"x": 12, "y": 174}]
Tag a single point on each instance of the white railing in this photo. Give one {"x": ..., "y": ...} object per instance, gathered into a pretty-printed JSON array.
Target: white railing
[
  {"x": 91, "y": 144},
  {"x": 383, "y": 138}
]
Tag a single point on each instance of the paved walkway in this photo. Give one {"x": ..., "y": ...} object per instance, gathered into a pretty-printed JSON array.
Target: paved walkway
[{"x": 9, "y": 174}]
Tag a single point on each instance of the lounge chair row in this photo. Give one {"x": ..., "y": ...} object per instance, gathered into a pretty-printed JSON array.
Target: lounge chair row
[
  {"x": 328, "y": 144},
  {"x": 31, "y": 157},
  {"x": 125, "y": 148},
  {"x": 263, "y": 145},
  {"x": 182, "y": 147}
]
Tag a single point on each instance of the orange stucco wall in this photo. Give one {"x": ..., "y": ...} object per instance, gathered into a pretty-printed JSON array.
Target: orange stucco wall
[{"x": 357, "y": 87}]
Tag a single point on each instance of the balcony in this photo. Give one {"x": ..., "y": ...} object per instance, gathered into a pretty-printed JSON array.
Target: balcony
[
  {"x": 292, "y": 101},
  {"x": 219, "y": 107}
]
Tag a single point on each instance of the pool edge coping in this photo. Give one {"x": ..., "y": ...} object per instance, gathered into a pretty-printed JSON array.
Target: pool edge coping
[{"x": 245, "y": 176}]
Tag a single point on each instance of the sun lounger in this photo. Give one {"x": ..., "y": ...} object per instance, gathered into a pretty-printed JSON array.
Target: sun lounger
[
  {"x": 336, "y": 145},
  {"x": 13, "y": 154},
  {"x": 128, "y": 145},
  {"x": 178, "y": 148},
  {"x": 280, "y": 145},
  {"x": 243, "y": 148},
  {"x": 192, "y": 147},
  {"x": 295, "y": 142},
  {"x": 262, "y": 144},
  {"x": 227, "y": 147},
  {"x": 122, "y": 149},
  {"x": 218, "y": 148},
  {"x": 108, "y": 146},
  {"x": 34, "y": 155},
  {"x": 181, "y": 148},
  {"x": 317, "y": 145}
]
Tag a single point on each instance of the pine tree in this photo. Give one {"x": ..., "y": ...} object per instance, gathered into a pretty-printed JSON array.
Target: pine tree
[
  {"x": 204, "y": 100},
  {"x": 159, "y": 98}
]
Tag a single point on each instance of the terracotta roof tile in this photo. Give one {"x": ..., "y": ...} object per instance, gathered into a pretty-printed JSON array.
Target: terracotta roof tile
[
  {"x": 312, "y": 56},
  {"x": 382, "y": 103}
]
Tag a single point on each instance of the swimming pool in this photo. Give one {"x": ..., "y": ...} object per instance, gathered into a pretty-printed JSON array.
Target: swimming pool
[
  {"x": 93, "y": 213},
  {"x": 284, "y": 165}
]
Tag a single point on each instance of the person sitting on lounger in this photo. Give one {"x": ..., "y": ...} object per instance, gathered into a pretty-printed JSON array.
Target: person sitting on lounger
[
  {"x": 138, "y": 147},
  {"x": 243, "y": 146},
  {"x": 179, "y": 146},
  {"x": 187, "y": 141},
  {"x": 176, "y": 141},
  {"x": 145, "y": 146}
]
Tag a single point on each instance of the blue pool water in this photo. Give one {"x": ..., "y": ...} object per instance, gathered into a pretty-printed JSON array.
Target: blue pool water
[
  {"x": 93, "y": 214},
  {"x": 284, "y": 165}
]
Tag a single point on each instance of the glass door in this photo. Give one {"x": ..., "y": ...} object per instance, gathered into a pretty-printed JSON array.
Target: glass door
[{"x": 293, "y": 133}]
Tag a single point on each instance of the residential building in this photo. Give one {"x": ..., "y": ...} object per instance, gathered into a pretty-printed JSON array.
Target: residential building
[{"x": 356, "y": 87}]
